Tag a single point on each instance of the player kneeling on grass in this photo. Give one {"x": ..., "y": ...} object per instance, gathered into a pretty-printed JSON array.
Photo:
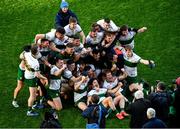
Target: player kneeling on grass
[
  {"x": 95, "y": 114},
  {"x": 55, "y": 82},
  {"x": 31, "y": 74}
]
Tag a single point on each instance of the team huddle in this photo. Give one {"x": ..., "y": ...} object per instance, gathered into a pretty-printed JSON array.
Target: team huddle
[{"x": 97, "y": 71}]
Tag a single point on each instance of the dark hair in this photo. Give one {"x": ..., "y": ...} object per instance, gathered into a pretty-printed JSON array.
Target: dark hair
[
  {"x": 50, "y": 122},
  {"x": 95, "y": 99},
  {"x": 87, "y": 68},
  {"x": 27, "y": 48},
  {"x": 107, "y": 20},
  {"x": 90, "y": 83},
  {"x": 84, "y": 73},
  {"x": 123, "y": 28},
  {"x": 107, "y": 71},
  {"x": 34, "y": 49},
  {"x": 95, "y": 25},
  {"x": 60, "y": 30},
  {"x": 69, "y": 62},
  {"x": 57, "y": 58},
  {"x": 161, "y": 85},
  {"x": 107, "y": 34},
  {"x": 72, "y": 20},
  {"x": 93, "y": 30},
  {"x": 80, "y": 61},
  {"x": 110, "y": 56},
  {"x": 70, "y": 45},
  {"x": 75, "y": 37},
  {"x": 42, "y": 40},
  {"x": 95, "y": 51}
]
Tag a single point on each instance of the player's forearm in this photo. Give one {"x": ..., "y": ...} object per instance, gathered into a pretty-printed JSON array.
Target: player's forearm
[
  {"x": 77, "y": 85},
  {"x": 83, "y": 37},
  {"x": 39, "y": 36},
  {"x": 142, "y": 29},
  {"x": 40, "y": 76},
  {"x": 54, "y": 48},
  {"x": 146, "y": 62}
]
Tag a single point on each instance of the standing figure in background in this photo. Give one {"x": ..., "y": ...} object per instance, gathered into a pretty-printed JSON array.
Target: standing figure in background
[
  {"x": 62, "y": 17},
  {"x": 138, "y": 109},
  {"x": 161, "y": 101},
  {"x": 177, "y": 102},
  {"x": 153, "y": 122}
]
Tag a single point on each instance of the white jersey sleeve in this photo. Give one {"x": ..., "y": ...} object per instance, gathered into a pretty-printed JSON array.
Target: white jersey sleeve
[
  {"x": 50, "y": 35},
  {"x": 113, "y": 26},
  {"x": 31, "y": 66},
  {"x": 130, "y": 64},
  {"x": 70, "y": 32},
  {"x": 100, "y": 22},
  {"x": 53, "y": 70},
  {"x": 67, "y": 74},
  {"x": 90, "y": 93},
  {"x": 110, "y": 85},
  {"x": 78, "y": 28}
]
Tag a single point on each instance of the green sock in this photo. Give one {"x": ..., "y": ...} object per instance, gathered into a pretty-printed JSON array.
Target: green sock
[
  {"x": 29, "y": 108},
  {"x": 122, "y": 109},
  {"x": 38, "y": 99},
  {"x": 116, "y": 111},
  {"x": 52, "y": 110},
  {"x": 41, "y": 100},
  {"x": 35, "y": 102},
  {"x": 14, "y": 99}
]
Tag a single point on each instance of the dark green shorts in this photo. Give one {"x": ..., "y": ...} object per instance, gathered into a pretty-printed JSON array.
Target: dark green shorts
[
  {"x": 104, "y": 109},
  {"x": 126, "y": 92},
  {"x": 53, "y": 94},
  {"x": 131, "y": 80},
  {"x": 83, "y": 99},
  {"x": 20, "y": 75},
  {"x": 31, "y": 82}
]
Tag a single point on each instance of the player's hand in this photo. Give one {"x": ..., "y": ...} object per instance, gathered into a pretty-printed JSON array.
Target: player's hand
[{"x": 151, "y": 64}]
